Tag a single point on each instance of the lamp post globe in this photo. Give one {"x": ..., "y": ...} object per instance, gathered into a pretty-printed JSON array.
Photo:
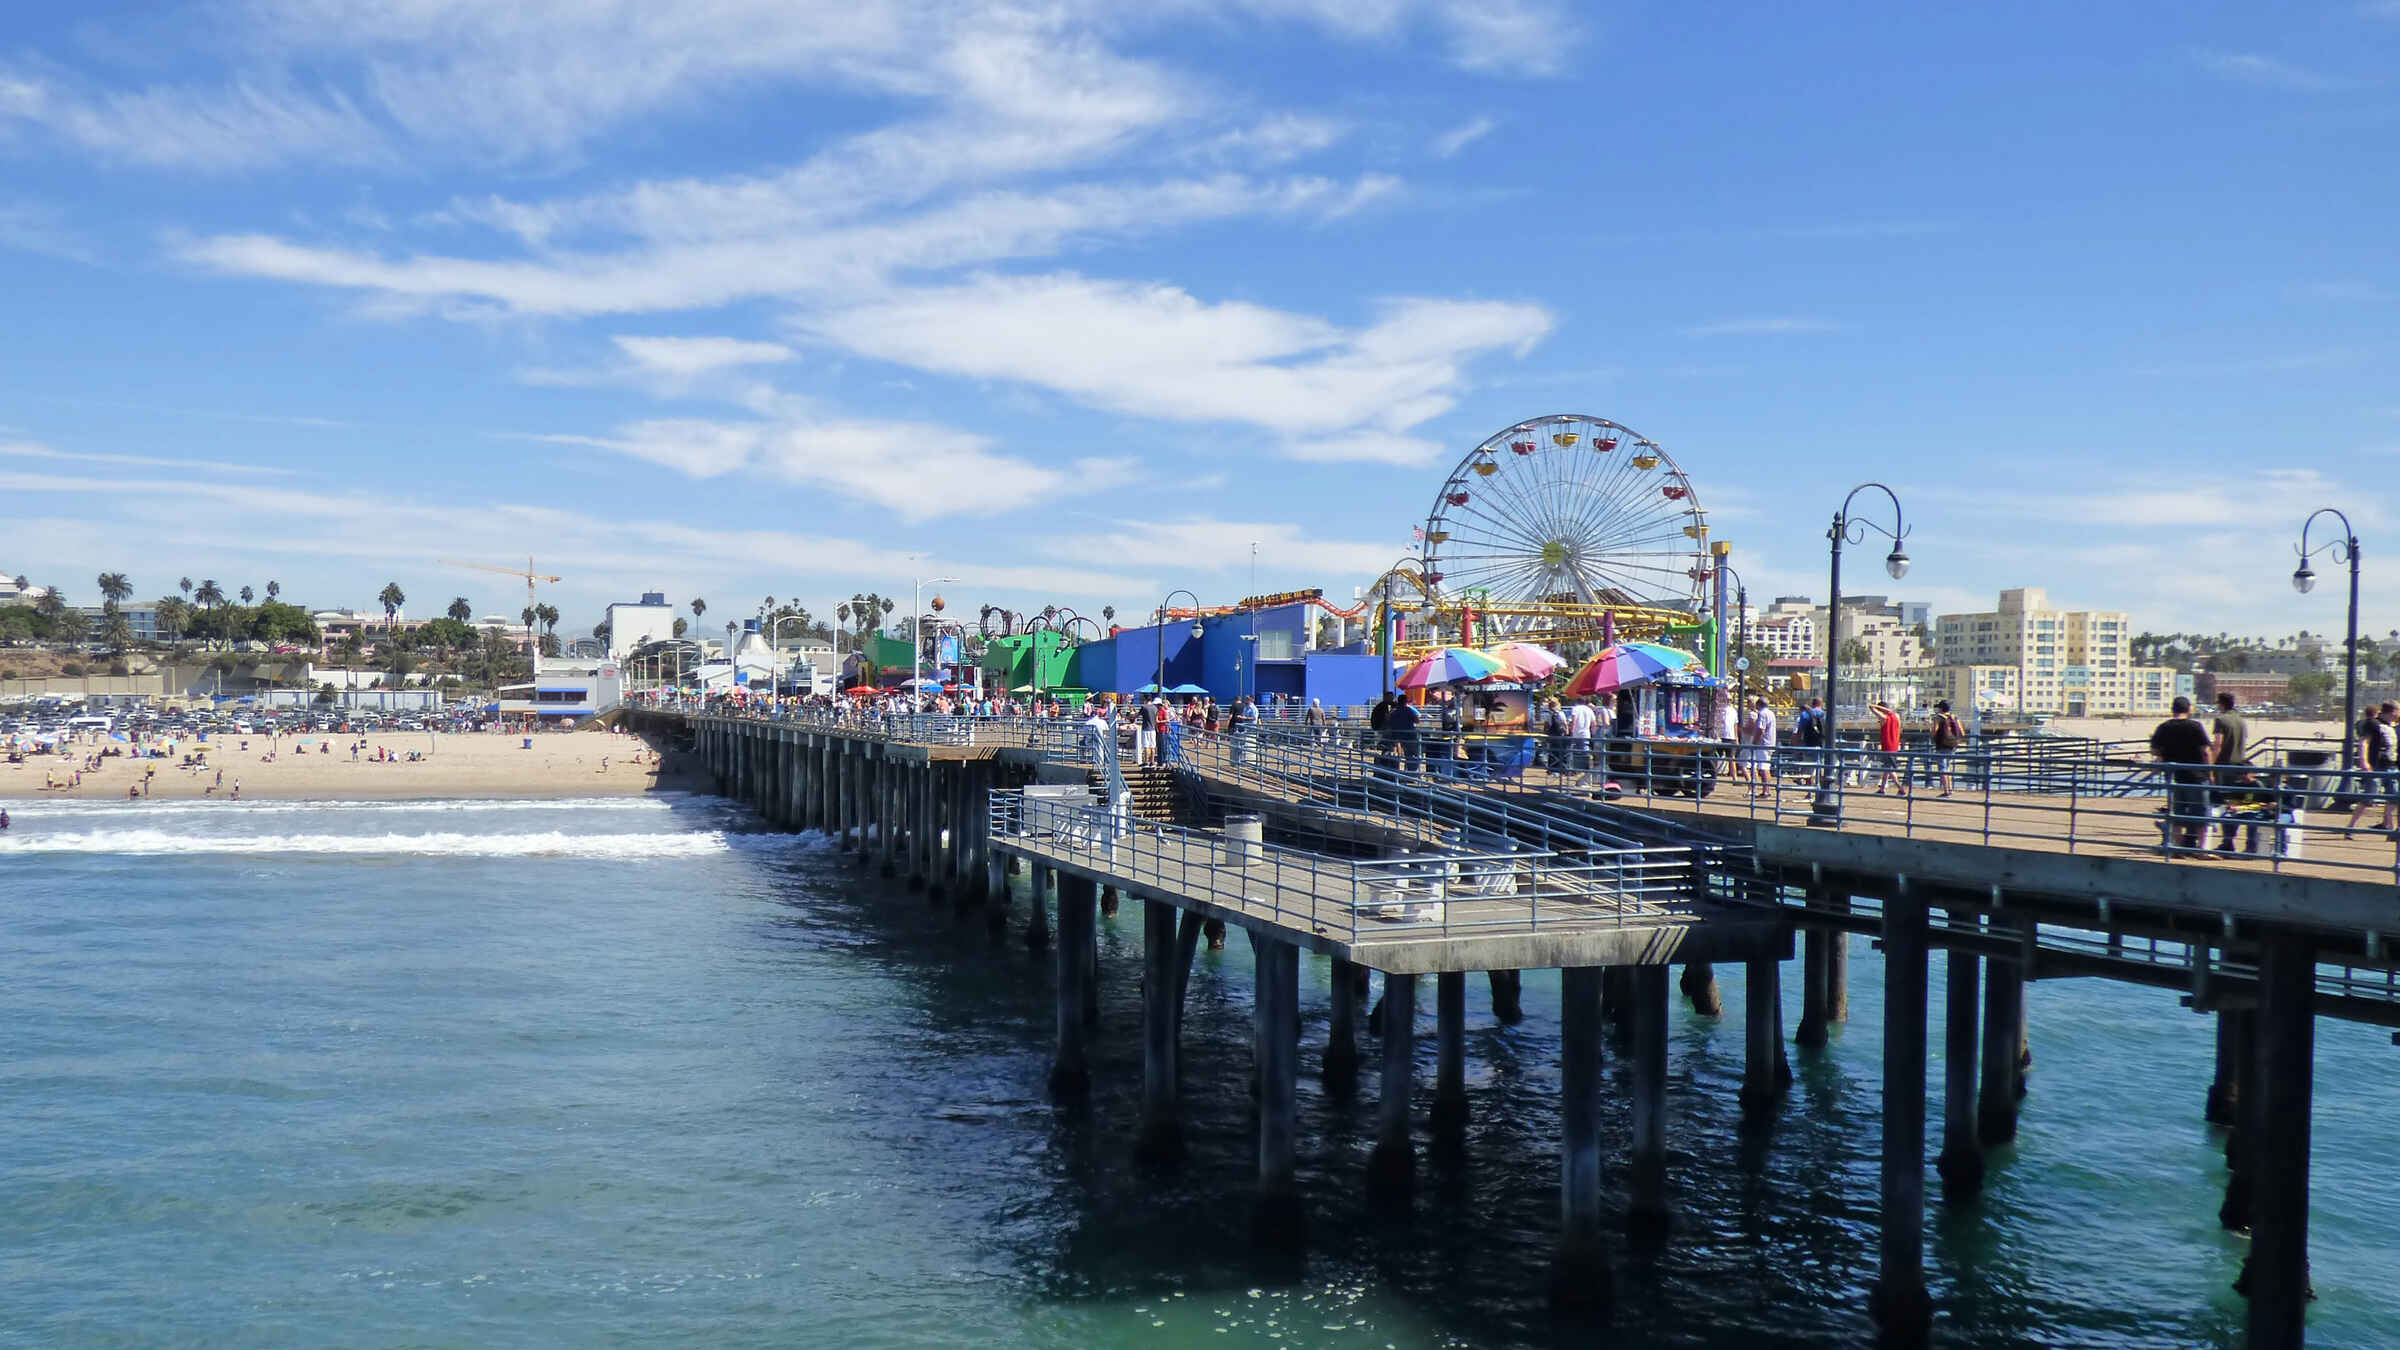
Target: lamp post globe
[
  {"x": 1896, "y": 563},
  {"x": 2304, "y": 580}
]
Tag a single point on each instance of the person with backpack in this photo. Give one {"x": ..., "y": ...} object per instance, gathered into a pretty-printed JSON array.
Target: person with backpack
[
  {"x": 1811, "y": 730},
  {"x": 1948, "y": 734}
]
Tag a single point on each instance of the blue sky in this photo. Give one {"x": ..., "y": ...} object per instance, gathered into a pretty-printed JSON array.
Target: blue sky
[{"x": 1078, "y": 301}]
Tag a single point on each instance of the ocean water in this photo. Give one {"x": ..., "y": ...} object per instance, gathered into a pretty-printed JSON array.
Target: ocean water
[{"x": 639, "y": 1073}]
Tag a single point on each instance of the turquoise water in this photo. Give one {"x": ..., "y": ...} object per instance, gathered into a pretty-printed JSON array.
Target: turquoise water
[{"x": 619, "y": 1073}]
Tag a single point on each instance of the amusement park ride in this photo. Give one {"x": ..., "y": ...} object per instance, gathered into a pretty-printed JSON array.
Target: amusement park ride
[{"x": 1553, "y": 531}]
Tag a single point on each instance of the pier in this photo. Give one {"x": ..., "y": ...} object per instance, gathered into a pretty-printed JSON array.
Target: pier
[{"x": 1331, "y": 842}]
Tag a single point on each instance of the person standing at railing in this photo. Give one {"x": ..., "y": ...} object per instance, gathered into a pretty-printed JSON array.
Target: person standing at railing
[
  {"x": 1763, "y": 730},
  {"x": 1948, "y": 734},
  {"x": 2229, "y": 750},
  {"x": 1315, "y": 718},
  {"x": 1554, "y": 735},
  {"x": 1402, "y": 723},
  {"x": 1580, "y": 721},
  {"x": 1812, "y": 728},
  {"x": 2182, "y": 743},
  {"x": 2379, "y": 750}
]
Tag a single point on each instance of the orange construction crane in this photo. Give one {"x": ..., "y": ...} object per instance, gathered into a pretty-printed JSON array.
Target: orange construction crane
[{"x": 531, "y": 576}]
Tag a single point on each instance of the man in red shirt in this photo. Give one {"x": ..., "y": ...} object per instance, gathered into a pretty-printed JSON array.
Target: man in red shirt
[{"x": 1887, "y": 738}]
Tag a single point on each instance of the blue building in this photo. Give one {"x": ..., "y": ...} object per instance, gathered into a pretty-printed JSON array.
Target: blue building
[{"x": 1267, "y": 652}]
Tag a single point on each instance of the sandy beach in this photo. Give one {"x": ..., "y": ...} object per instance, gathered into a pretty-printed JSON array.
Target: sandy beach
[{"x": 291, "y": 768}]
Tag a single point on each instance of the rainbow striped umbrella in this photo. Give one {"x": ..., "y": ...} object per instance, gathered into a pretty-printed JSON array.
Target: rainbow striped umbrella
[
  {"x": 1625, "y": 663},
  {"x": 1450, "y": 665}
]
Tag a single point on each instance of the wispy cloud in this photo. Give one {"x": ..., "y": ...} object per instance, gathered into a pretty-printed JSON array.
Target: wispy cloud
[
  {"x": 29, "y": 450},
  {"x": 1785, "y": 326},
  {"x": 41, "y": 228},
  {"x": 2343, "y": 291},
  {"x": 2328, "y": 358},
  {"x": 2380, "y": 9},
  {"x": 1458, "y": 138},
  {"x": 2268, "y": 72}
]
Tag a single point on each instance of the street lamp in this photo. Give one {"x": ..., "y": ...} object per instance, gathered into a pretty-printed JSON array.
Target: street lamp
[
  {"x": 1159, "y": 681},
  {"x": 1389, "y": 636},
  {"x": 916, "y": 632},
  {"x": 1827, "y": 809},
  {"x": 1741, "y": 607},
  {"x": 2304, "y": 580}
]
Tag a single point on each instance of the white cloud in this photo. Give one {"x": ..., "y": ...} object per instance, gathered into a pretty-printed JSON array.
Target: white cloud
[
  {"x": 2269, "y": 73},
  {"x": 1514, "y": 37},
  {"x": 1157, "y": 351},
  {"x": 1762, "y": 327},
  {"x": 29, "y": 450},
  {"x": 1204, "y": 544},
  {"x": 357, "y": 541},
  {"x": 40, "y": 228},
  {"x": 1458, "y": 138},
  {"x": 2380, "y": 9},
  {"x": 916, "y": 470},
  {"x": 1272, "y": 141},
  {"x": 686, "y": 357},
  {"x": 708, "y": 273}
]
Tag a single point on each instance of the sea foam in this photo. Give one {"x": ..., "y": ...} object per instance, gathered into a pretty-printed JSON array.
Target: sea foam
[{"x": 436, "y": 844}]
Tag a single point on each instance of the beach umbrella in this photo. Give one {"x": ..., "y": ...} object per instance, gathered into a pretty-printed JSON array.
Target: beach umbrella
[
  {"x": 1151, "y": 688},
  {"x": 858, "y": 689},
  {"x": 1191, "y": 689},
  {"x": 1625, "y": 663},
  {"x": 1524, "y": 661},
  {"x": 1449, "y": 665}
]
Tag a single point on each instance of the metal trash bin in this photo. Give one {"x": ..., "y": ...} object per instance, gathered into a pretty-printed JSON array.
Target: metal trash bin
[
  {"x": 2320, "y": 794},
  {"x": 1245, "y": 840}
]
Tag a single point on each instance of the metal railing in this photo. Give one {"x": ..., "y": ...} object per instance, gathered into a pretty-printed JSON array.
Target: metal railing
[
  {"x": 2267, "y": 816},
  {"x": 1444, "y": 893}
]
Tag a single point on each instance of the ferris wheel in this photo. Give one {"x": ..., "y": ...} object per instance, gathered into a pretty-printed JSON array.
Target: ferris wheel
[{"x": 1568, "y": 510}]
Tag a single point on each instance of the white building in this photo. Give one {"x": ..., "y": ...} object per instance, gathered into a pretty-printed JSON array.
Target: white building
[
  {"x": 2032, "y": 658},
  {"x": 651, "y": 619},
  {"x": 565, "y": 687}
]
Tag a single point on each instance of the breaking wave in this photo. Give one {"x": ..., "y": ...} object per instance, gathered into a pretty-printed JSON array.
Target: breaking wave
[{"x": 440, "y": 844}]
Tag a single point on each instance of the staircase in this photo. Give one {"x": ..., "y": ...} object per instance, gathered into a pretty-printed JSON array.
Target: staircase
[{"x": 1154, "y": 794}]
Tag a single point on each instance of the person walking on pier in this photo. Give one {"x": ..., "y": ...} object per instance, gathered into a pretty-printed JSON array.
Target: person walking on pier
[
  {"x": 2181, "y": 742},
  {"x": 1762, "y": 748},
  {"x": 1580, "y": 720},
  {"x": 1948, "y": 734},
  {"x": 2379, "y": 751}
]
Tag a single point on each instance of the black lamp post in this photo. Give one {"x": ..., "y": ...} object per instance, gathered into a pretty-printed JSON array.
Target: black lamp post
[
  {"x": 1827, "y": 809},
  {"x": 1741, "y": 607},
  {"x": 1389, "y": 621},
  {"x": 2304, "y": 580},
  {"x": 1159, "y": 681}
]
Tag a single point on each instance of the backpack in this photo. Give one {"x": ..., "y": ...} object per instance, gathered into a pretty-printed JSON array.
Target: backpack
[
  {"x": 1948, "y": 731},
  {"x": 1812, "y": 726}
]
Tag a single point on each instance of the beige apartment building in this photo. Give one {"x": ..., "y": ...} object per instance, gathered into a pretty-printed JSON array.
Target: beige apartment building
[{"x": 2027, "y": 656}]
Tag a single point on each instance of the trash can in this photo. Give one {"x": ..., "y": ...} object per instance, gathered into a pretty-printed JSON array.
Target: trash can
[
  {"x": 529, "y": 742},
  {"x": 2318, "y": 794},
  {"x": 1245, "y": 840}
]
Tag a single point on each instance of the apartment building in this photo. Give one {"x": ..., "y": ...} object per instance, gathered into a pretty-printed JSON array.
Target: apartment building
[{"x": 2026, "y": 656}]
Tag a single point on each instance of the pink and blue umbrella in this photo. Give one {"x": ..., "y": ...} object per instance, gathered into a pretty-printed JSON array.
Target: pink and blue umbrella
[
  {"x": 1625, "y": 663},
  {"x": 1450, "y": 665}
]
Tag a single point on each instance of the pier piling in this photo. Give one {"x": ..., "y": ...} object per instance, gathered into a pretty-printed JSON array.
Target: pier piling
[
  {"x": 1762, "y": 1084},
  {"x": 1392, "y": 1168},
  {"x": 1580, "y": 1279},
  {"x": 2276, "y": 1277},
  {"x": 1816, "y": 968},
  {"x": 2003, "y": 1016},
  {"x": 1277, "y": 1221},
  {"x": 1037, "y": 922},
  {"x": 1341, "y": 1032},
  {"x": 1899, "y": 1302},
  {"x": 2234, "y": 1037},
  {"x": 1070, "y": 1072},
  {"x": 1700, "y": 986},
  {"x": 1960, "y": 1164},
  {"x": 1646, "y": 1210},
  {"x": 1161, "y": 1138},
  {"x": 1450, "y": 1053},
  {"x": 1508, "y": 996}
]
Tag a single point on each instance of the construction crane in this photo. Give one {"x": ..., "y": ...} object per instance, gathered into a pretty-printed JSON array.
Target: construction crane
[{"x": 531, "y": 576}]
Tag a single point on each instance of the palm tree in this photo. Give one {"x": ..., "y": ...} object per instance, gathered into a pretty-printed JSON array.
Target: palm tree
[
  {"x": 173, "y": 615},
  {"x": 248, "y": 595},
  {"x": 116, "y": 630},
  {"x": 461, "y": 610},
  {"x": 391, "y": 598},
  {"x": 114, "y": 587},
  {"x": 274, "y": 588},
  {"x": 186, "y": 584},
  {"x": 548, "y": 614},
  {"x": 699, "y": 608},
  {"x": 210, "y": 595},
  {"x": 529, "y": 614}
]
